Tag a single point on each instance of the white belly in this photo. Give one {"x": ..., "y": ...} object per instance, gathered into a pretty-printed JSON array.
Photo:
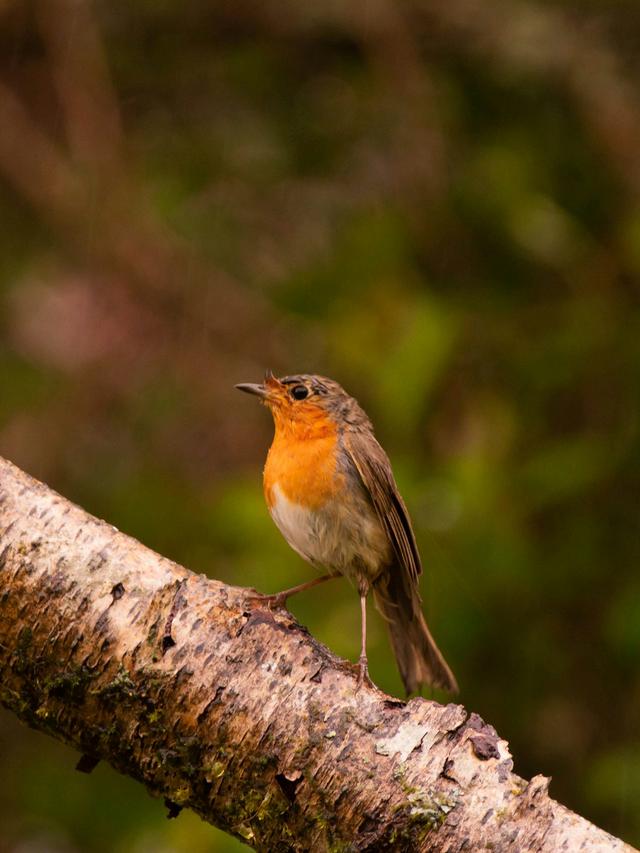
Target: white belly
[{"x": 351, "y": 542}]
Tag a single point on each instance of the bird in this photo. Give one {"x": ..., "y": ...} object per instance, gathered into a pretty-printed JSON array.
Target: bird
[{"x": 330, "y": 490}]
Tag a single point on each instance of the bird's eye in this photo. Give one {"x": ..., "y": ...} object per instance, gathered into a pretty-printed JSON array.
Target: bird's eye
[{"x": 299, "y": 392}]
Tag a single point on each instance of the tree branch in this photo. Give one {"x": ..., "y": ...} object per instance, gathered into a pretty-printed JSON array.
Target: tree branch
[{"x": 240, "y": 714}]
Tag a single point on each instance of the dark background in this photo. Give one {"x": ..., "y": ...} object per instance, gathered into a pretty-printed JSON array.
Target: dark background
[{"x": 436, "y": 203}]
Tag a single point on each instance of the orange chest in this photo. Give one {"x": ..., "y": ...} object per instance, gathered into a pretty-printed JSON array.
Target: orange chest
[{"x": 304, "y": 469}]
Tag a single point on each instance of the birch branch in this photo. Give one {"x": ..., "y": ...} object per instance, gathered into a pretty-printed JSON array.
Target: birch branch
[{"x": 240, "y": 714}]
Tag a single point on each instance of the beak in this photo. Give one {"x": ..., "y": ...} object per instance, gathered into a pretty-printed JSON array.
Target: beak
[{"x": 251, "y": 388}]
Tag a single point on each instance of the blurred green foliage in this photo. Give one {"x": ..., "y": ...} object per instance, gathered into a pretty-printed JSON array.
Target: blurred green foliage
[{"x": 438, "y": 208}]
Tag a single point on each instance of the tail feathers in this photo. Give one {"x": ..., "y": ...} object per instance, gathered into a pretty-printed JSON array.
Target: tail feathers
[{"x": 419, "y": 660}]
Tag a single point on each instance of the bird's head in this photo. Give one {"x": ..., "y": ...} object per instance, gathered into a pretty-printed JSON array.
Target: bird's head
[{"x": 306, "y": 400}]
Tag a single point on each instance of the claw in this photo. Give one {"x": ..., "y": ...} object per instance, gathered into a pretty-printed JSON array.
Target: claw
[
  {"x": 363, "y": 674},
  {"x": 273, "y": 602}
]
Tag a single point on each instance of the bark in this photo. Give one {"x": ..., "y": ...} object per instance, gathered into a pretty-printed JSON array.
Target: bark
[{"x": 238, "y": 713}]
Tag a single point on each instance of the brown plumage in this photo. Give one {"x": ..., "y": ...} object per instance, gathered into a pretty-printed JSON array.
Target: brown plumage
[
  {"x": 331, "y": 491},
  {"x": 395, "y": 590}
]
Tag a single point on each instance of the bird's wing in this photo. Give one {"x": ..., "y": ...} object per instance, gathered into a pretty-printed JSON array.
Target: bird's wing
[{"x": 375, "y": 472}]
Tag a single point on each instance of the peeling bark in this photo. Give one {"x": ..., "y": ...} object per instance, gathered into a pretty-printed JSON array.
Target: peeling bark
[{"x": 240, "y": 714}]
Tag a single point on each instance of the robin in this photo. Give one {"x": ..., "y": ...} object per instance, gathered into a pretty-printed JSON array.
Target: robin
[{"x": 331, "y": 491}]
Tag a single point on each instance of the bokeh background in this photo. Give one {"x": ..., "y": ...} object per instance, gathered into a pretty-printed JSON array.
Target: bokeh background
[{"x": 436, "y": 202}]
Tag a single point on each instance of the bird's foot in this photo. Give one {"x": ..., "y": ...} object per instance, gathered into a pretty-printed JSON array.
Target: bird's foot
[
  {"x": 363, "y": 674},
  {"x": 275, "y": 601}
]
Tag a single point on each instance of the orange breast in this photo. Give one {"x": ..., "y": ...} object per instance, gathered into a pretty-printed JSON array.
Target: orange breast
[{"x": 302, "y": 463}]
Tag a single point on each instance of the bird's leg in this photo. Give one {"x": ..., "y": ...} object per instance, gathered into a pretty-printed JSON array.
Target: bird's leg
[
  {"x": 363, "y": 666},
  {"x": 279, "y": 599}
]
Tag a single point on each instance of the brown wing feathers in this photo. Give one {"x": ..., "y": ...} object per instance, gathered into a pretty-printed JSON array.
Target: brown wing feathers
[
  {"x": 375, "y": 470},
  {"x": 396, "y": 591}
]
